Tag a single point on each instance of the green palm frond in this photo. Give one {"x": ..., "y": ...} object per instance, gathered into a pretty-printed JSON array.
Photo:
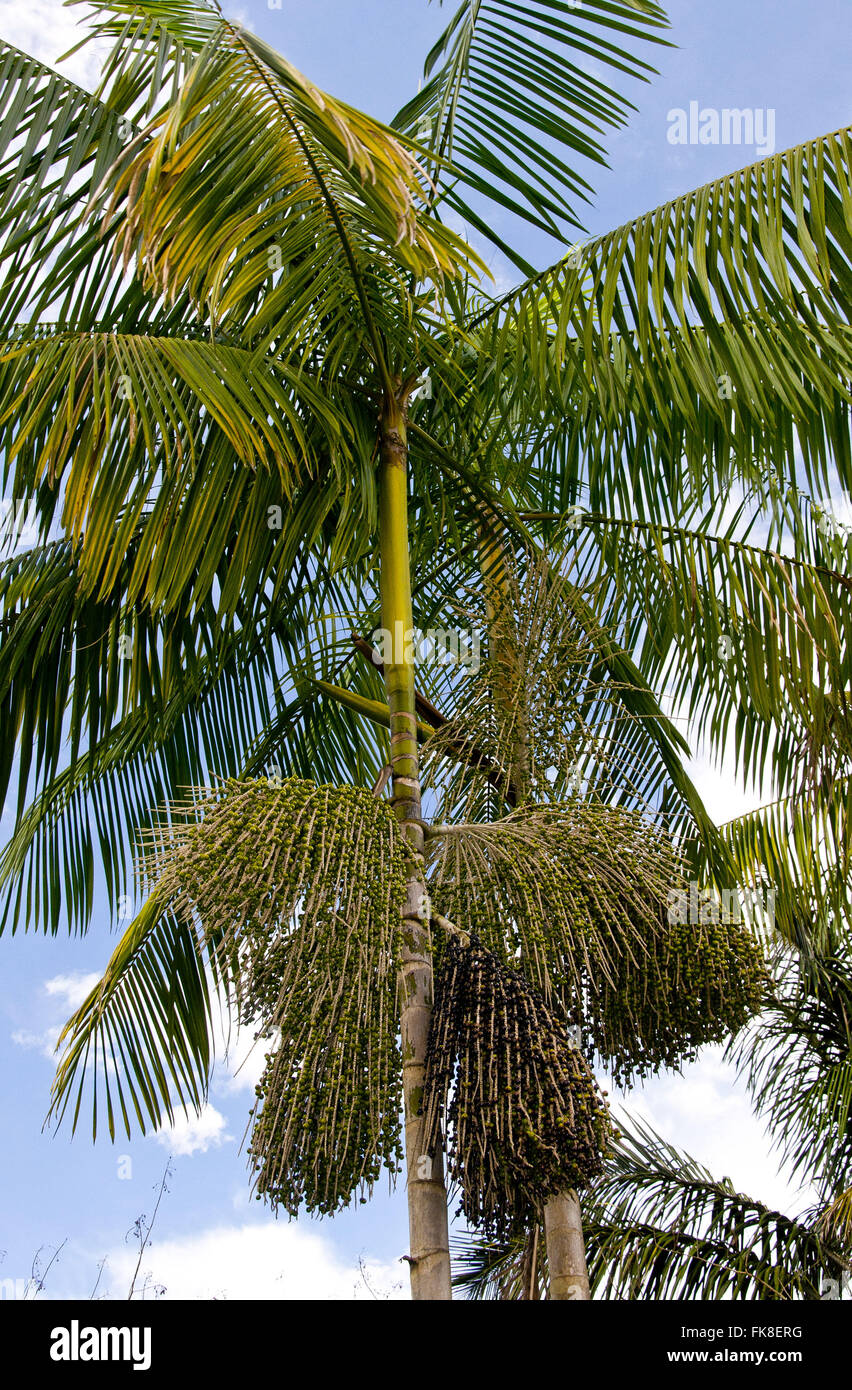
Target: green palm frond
[
  {"x": 125, "y": 424},
  {"x": 715, "y": 327},
  {"x": 70, "y": 141},
  {"x": 143, "y": 1036},
  {"x": 295, "y": 180},
  {"x": 659, "y": 1225},
  {"x": 179, "y": 704},
  {"x": 111, "y": 789},
  {"x": 490, "y": 1267},
  {"x": 192, "y": 30},
  {"x": 797, "y": 849},
  {"x": 516, "y": 95},
  {"x": 735, "y": 632}
]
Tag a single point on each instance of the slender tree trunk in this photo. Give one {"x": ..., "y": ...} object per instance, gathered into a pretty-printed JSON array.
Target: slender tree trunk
[
  {"x": 429, "y": 1257},
  {"x": 566, "y": 1251},
  {"x": 563, "y": 1227}
]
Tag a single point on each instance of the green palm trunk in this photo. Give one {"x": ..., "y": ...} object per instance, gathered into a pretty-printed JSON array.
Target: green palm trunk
[{"x": 429, "y": 1258}]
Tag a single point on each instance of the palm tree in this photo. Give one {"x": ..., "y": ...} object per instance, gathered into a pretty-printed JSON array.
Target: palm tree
[
  {"x": 223, "y": 428},
  {"x": 236, "y": 372}
]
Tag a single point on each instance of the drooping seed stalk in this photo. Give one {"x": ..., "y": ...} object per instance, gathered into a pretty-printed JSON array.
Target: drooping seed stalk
[
  {"x": 563, "y": 1228},
  {"x": 429, "y": 1257}
]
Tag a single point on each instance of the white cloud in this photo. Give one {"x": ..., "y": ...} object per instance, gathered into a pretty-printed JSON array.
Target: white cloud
[
  {"x": 68, "y": 991},
  {"x": 706, "y": 1113},
  {"x": 71, "y": 990},
  {"x": 720, "y": 788},
  {"x": 242, "y": 1062},
  {"x": 192, "y": 1134},
  {"x": 44, "y": 1042},
  {"x": 46, "y": 29},
  {"x": 275, "y": 1261}
]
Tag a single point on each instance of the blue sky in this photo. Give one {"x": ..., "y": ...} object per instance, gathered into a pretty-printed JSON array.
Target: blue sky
[{"x": 209, "y": 1239}]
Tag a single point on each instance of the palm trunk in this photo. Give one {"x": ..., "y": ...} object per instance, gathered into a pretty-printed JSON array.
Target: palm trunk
[
  {"x": 429, "y": 1257},
  {"x": 563, "y": 1228},
  {"x": 566, "y": 1252}
]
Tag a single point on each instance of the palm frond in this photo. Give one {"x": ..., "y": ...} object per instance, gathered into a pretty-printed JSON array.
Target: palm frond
[
  {"x": 120, "y": 425},
  {"x": 797, "y": 849},
  {"x": 714, "y": 330},
  {"x": 494, "y": 1267},
  {"x": 516, "y": 95},
  {"x": 142, "y": 1038},
  {"x": 57, "y": 144},
  {"x": 735, "y": 632},
  {"x": 659, "y": 1225},
  {"x": 295, "y": 180}
]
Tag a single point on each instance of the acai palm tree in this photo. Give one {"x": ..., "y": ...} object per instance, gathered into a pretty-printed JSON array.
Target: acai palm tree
[{"x": 273, "y": 426}]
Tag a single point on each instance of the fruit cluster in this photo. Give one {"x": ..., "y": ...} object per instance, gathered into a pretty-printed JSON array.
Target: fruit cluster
[
  {"x": 694, "y": 984},
  {"x": 525, "y": 1118},
  {"x": 578, "y": 897},
  {"x": 299, "y": 889}
]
